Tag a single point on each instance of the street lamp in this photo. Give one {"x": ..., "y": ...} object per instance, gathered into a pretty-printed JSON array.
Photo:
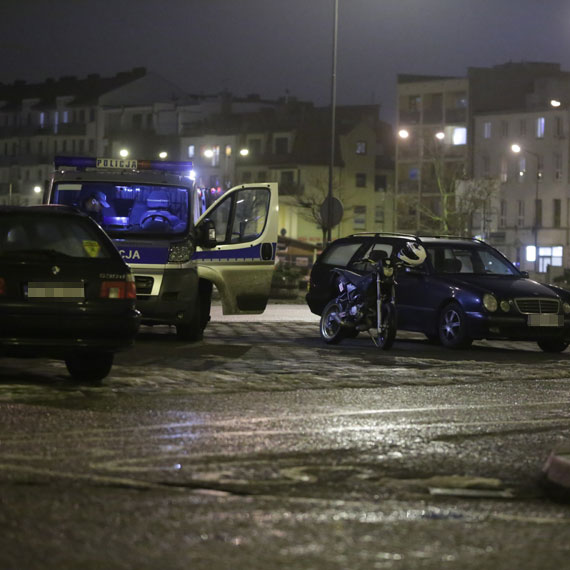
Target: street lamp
[
  {"x": 516, "y": 148},
  {"x": 123, "y": 153}
]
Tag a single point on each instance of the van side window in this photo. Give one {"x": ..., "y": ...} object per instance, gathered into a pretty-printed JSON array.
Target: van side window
[{"x": 241, "y": 217}]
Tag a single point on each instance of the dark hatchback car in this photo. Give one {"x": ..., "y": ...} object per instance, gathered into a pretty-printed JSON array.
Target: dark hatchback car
[
  {"x": 65, "y": 291},
  {"x": 465, "y": 290}
]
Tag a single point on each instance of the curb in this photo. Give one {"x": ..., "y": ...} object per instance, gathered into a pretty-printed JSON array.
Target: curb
[{"x": 556, "y": 475}]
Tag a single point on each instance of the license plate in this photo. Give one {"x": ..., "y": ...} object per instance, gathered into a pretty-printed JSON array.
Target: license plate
[
  {"x": 545, "y": 320},
  {"x": 67, "y": 291}
]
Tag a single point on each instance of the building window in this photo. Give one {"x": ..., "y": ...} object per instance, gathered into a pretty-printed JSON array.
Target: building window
[
  {"x": 228, "y": 150},
  {"x": 504, "y": 128},
  {"x": 262, "y": 176},
  {"x": 504, "y": 169},
  {"x": 487, "y": 129},
  {"x": 520, "y": 215},
  {"x": 379, "y": 216},
  {"x": 42, "y": 120},
  {"x": 556, "y": 212},
  {"x": 540, "y": 125},
  {"x": 414, "y": 103},
  {"x": 521, "y": 168},
  {"x": 246, "y": 176},
  {"x": 522, "y": 127},
  {"x": 287, "y": 177},
  {"x": 559, "y": 127},
  {"x": 359, "y": 220},
  {"x": 191, "y": 151},
  {"x": 254, "y": 146},
  {"x": 360, "y": 147},
  {"x": 503, "y": 216},
  {"x": 557, "y": 166},
  {"x": 549, "y": 256},
  {"x": 380, "y": 182},
  {"x": 360, "y": 180},
  {"x": 459, "y": 136},
  {"x": 281, "y": 145},
  {"x": 538, "y": 213}
]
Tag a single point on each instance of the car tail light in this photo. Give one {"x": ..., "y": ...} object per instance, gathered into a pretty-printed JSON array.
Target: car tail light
[
  {"x": 119, "y": 289},
  {"x": 2, "y": 286}
]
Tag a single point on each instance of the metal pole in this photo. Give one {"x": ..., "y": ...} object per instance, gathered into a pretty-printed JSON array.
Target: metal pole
[
  {"x": 536, "y": 264},
  {"x": 333, "y": 119}
]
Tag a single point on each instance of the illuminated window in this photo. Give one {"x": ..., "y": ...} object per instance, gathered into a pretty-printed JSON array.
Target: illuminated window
[
  {"x": 361, "y": 147},
  {"x": 549, "y": 256},
  {"x": 487, "y": 129},
  {"x": 228, "y": 150},
  {"x": 191, "y": 151},
  {"x": 521, "y": 168},
  {"x": 540, "y": 124},
  {"x": 459, "y": 135}
]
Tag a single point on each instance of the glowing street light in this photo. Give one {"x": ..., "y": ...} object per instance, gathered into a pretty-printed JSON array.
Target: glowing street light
[
  {"x": 244, "y": 152},
  {"x": 37, "y": 189},
  {"x": 123, "y": 153},
  {"x": 403, "y": 133},
  {"x": 555, "y": 103},
  {"x": 440, "y": 135},
  {"x": 162, "y": 154},
  {"x": 208, "y": 153}
]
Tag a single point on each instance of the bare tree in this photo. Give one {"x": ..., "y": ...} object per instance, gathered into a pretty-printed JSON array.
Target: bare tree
[{"x": 310, "y": 201}]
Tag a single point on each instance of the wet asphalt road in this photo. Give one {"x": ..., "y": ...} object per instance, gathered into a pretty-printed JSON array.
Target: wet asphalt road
[{"x": 261, "y": 447}]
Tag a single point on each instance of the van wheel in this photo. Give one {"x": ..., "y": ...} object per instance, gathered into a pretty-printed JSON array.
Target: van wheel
[
  {"x": 89, "y": 367},
  {"x": 552, "y": 345},
  {"x": 193, "y": 331}
]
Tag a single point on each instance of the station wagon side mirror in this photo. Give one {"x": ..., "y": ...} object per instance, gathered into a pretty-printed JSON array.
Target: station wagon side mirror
[
  {"x": 206, "y": 234},
  {"x": 525, "y": 274}
]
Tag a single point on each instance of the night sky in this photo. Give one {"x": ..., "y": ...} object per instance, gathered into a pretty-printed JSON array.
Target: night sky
[{"x": 273, "y": 47}]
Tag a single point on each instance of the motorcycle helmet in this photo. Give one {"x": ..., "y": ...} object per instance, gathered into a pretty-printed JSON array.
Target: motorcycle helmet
[{"x": 412, "y": 254}]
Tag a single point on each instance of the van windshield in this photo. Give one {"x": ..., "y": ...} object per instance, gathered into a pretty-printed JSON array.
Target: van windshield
[{"x": 124, "y": 210}]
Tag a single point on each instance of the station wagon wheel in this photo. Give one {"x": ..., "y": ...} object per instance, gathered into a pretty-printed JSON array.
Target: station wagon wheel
[
  {"x": 332, "y": 332},
  {"x": 552, "y": 345},
  {"x": 453, "y": 327}
]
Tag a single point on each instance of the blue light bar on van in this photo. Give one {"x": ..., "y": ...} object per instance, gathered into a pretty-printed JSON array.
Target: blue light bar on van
[{"x": 82, "y": 162}]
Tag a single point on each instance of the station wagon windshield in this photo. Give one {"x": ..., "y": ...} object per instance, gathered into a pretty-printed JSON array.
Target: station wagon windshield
[{"x": 130, "y": 209}]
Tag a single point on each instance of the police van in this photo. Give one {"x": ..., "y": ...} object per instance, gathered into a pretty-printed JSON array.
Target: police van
[{"x": 153, "y": 212}]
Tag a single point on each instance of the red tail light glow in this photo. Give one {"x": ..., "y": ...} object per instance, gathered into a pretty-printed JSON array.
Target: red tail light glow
[
  {"x": 118, "y": 289},
  {"x": 2, "y": 286}
]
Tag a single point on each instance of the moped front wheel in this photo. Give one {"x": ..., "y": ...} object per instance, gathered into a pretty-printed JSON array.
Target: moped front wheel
[
  {"x": 387, "y": 333},
  {"x": 332, "y": 332}
]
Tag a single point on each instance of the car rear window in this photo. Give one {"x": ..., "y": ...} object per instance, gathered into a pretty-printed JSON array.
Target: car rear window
[
  {"x": 66, "y": 235},
  {"x": 340, "y": 254}
]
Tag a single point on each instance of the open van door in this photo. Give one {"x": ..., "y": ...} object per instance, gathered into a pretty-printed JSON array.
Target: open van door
[{"x": 237, "y": 240}]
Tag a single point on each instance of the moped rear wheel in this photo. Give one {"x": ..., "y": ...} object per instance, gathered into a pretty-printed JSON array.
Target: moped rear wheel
[
  {"x": 332, "y": 332},
  {"x": 387, "y": 333}
]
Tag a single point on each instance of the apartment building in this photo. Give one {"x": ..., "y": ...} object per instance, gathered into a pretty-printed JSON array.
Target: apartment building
[{"x": 458, "y": 134}]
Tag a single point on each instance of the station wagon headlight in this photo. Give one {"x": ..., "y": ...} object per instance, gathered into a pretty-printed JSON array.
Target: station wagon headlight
[
  {"x": 566, "y": 308},
  {"x": 490, "y": 302},
  {"x": 180, "y": 252},
  {"x": 505, "y": 306}
]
